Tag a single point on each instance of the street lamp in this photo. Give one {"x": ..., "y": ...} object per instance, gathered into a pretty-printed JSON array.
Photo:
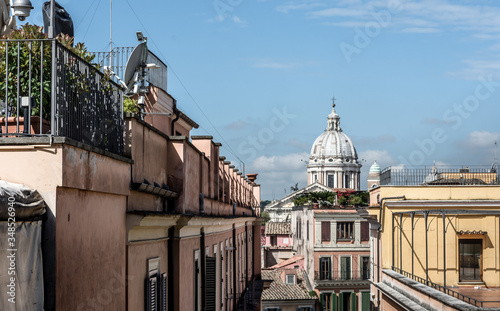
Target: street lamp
[{"x": 21, "y": 9}]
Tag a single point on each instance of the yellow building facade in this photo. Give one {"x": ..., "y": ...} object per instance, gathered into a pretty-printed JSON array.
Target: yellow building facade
[{"x": 443, "y": 236}]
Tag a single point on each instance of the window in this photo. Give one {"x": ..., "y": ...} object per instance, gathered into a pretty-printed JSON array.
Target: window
[
  {"x": 325, "y": 268},
  {"x": 272, "y": 309},
  {"x": 325, "y": 231},
  {"x": 345, "y": 230},
  {"x": 347, "y": 181},
  {"x": 345, "y": 268},
  {"x": 326, "y": 301},
  {"x": 304, "y": 309},
  {"x": 210, "y": 282},
  {"x": 365, "y": 231},
  {"x": 365, "y": 267},
  {"x": 330, "y": 181},
  {"x": 274, "y": 240},
  {"x": 470, "y": 260},
  {"x": 156, "y": 287},
  {"x": 299, "y": 226},
  {"x": 290, "y": 279},
  {"x": 307, "y": 230}
]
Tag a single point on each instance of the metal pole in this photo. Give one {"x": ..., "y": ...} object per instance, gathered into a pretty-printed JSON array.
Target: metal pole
[
  {"x": 392, "y": 239},
  {"x": 52, "y": 20},
  {"x": 401, "y": 241},
  {"x": 412, "y": 249},
  {"x": 111, "y": 35},
  {"x": 444, "y": 249},
  {"x": 426, "y": 251}
]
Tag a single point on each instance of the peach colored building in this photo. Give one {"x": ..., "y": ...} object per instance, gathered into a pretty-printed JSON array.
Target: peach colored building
[
  {"x": 165, "y": 223},
  {"x": 335, "y": 245}
]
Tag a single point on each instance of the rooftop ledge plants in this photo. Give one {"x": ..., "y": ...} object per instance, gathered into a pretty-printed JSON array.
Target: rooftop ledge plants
[{"x": 27, "y": 52}]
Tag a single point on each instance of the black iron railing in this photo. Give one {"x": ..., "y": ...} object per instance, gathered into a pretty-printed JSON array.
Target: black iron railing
[
  {"x": 448, "y": 291},
  {"x": 46, "y": 89},
  {"x": 440, "y": 175},
  {"x": 342, "y": 275}
]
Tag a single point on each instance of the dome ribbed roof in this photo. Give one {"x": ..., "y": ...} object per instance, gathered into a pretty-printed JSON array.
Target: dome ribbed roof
[
  {"x": 333, "y": 145},
  {"x": 375, "y": 168}
]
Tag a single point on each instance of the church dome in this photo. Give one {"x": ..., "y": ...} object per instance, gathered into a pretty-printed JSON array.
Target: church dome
[
  {"x": 375, "y": 168},
  {"x": 333, "y": 145}
]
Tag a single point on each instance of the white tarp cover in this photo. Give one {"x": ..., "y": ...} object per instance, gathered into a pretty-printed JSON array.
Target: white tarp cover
[{"x": 21, "y": 268}]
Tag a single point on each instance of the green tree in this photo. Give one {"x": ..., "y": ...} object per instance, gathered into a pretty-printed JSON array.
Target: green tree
[{"x": 266, "y": 217}]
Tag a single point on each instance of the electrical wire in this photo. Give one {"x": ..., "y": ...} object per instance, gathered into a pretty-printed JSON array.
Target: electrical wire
[
  {"x": 185, "y": 88},
  {"x": 90, "y": 24},
  {"x": 84, "y": 15}
]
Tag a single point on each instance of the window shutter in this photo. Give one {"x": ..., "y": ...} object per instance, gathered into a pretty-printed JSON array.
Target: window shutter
[
  {"x": 151, "y": 302},
  {"x": 334, "y": 302},
  {"x": 210, "y": 283},
  {"x": 365, "y": 231},
  {"x": 354, "y": 307},
  {"x": 163, "y": 292},
  {"x": 325, "y": 231}
]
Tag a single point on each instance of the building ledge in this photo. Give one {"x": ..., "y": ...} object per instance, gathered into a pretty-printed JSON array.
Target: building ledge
[
  {"x": 429, "y": 291},
  {"x": 48, "y": 141},
  {"x": 400, "y": 299}
]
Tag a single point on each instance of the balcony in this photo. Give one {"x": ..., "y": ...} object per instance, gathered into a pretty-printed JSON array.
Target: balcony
[
  {"x": 440, "y": 175},
  {"x": 47, "y": 90},
  {"x": 339, "y": 277}
]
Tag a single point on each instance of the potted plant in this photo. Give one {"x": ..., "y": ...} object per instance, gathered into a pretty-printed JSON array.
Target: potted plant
[{"x": 19, "y": 57}]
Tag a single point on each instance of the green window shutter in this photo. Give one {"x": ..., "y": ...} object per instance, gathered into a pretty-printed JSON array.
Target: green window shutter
[
  {"x": 321, "y": 301},
  {"x": 341, "y": 301},
  {"x": 353, "y": 302},
  {"x": 365, "y": 301},
  {"x": 334, "y": 302}
]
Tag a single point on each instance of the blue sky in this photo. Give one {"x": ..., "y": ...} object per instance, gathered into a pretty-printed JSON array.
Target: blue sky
[{"x": 415, "y": 81}]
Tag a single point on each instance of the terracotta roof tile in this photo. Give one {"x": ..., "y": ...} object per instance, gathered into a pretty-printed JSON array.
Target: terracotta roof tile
[{"x": 278, "y": 228}]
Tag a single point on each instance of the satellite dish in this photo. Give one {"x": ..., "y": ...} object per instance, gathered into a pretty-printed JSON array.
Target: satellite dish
[{"x": 136, "y": 59}]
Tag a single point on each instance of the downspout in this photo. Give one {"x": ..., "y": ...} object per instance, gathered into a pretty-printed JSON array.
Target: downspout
[
  {"x": 235, "y": 272},
  {"x": 177, "y": 115},
  {"x": 379, "y": 257},
  {"x": 203, "y": 271},
  {"x": 171, "y": 268}
]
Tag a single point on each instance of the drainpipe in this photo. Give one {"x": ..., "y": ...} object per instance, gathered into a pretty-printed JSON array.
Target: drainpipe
[
  {"x": 177, "y": 115},
  {"x": 379, "y": 257}
]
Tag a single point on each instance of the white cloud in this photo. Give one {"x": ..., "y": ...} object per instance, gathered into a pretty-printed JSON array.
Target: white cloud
[
  {"x": 273, "y": 64},
  {"x": 278, "y": 173},
  {"x": 239, "y": 21},
  {"x": 420, "y": 30},
  {"x": 481, "y": 140},
  {"x": 478, "y": 68}
]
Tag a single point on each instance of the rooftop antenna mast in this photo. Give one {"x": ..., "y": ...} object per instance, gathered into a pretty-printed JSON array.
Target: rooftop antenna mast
[{"x": 111, "y": 33}]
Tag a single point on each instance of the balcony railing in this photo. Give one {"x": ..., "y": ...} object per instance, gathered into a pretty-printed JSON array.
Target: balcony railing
[
  {"x": 342, "y": 275},
  {"x": 44, "y": 82},
  {"x": 469, "y": 300},
  {"x": 440, "y": 175}
]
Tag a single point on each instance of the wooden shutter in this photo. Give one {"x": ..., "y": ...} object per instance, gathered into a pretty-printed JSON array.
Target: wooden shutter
[
  {"x": 325, "y": 231},
  {"x": 365, "y": 231},
  {"x": 210, "y": 290},
  {"x": 163, "y": 292},
  {"x": 151, "y": 291},
  {"x": 354, "y": 300}
]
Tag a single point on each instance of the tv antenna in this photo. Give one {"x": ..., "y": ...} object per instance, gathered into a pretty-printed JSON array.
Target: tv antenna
[{"x": 134, "y": 78}]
